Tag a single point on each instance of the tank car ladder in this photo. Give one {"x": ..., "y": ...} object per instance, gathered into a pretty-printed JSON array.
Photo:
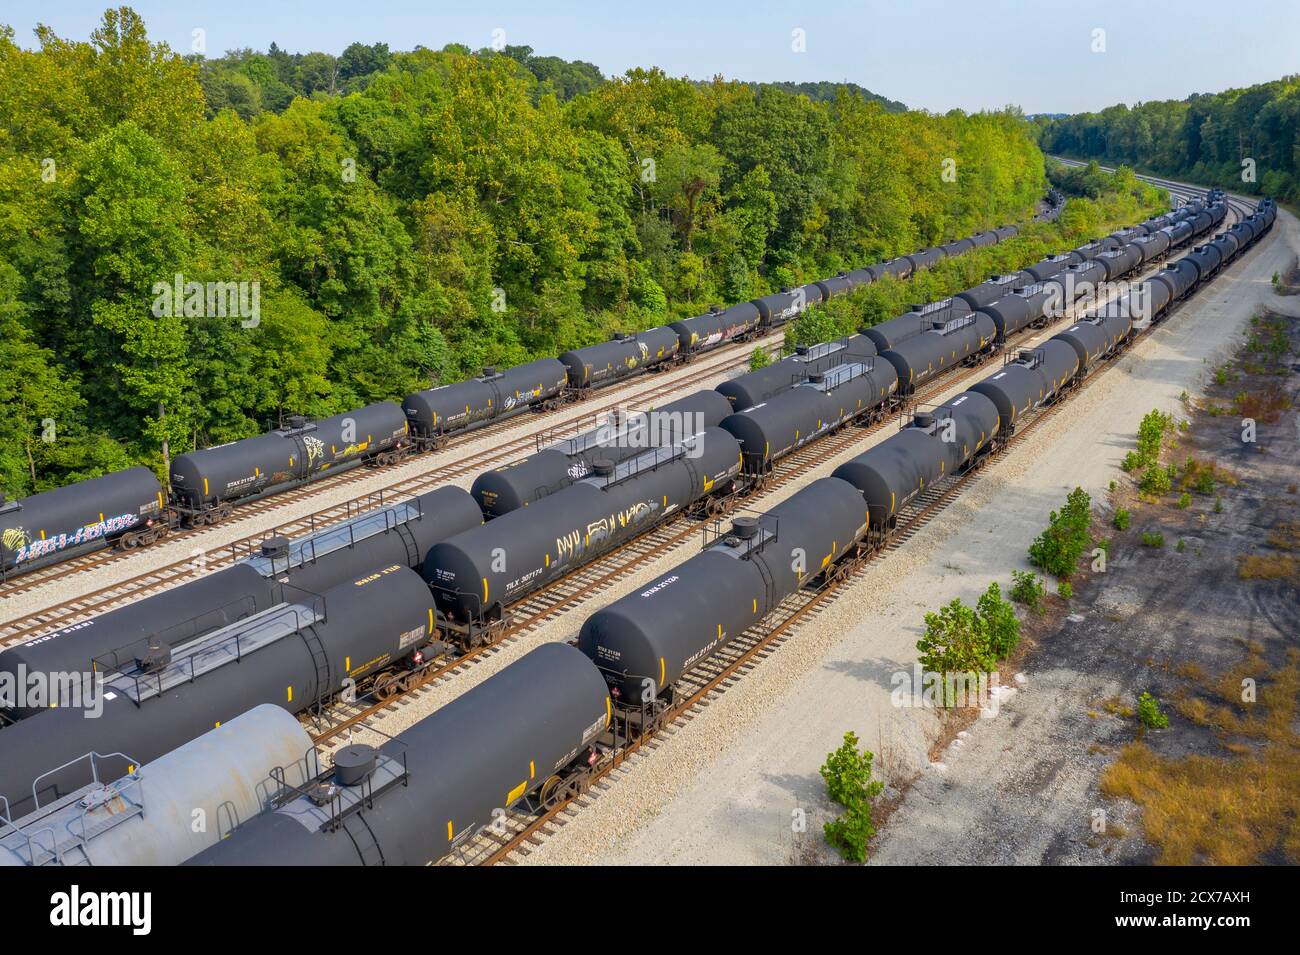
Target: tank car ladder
[{"x": 320, "y": 660}]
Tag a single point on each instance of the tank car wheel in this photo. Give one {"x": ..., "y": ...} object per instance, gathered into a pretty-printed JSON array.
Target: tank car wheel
[
  {"x": 130, "y": 541},
  {"x": 387, "y": 686}
]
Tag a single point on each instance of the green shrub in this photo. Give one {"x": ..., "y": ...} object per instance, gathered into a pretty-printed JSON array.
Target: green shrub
[
  {"x": 1181, "y": 546},
  {"x": 1153, "y": 539},
  {"x": 1064, "y": 590},
  {"x": 1113, "y": 484},
  {"x": 1027, "y": 588},
  {"x": 1156, "y": 481},
  {"x": 759, "y": 358},
  {"x": 1218, "y": 505},
  {"x": 1121, "y": 519},
  {"x": 1148, "y": 713},
  {"x": 1185, "y": 501},
  {"x": 1132, "y": 461},
  {"x": 1058, "y": 548},
  {"x": 955, "y": 641},
  {"x": 1001, "y": 625},
  {"x": 847, "y": 773}
]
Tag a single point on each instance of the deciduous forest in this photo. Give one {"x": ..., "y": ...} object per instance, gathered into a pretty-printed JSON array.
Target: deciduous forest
[
  {"x": 407, "y": 217},
  {"x": 1247, "y": 140}
]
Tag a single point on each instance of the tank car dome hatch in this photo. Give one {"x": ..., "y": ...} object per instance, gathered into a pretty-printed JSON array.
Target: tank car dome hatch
[
  {"x": 275, "y": 547},
  {"x": 923, "y": 419},
  {"x": 489, "y": 371},
  {"x": 744, "y": 528},
  {"x": 295, "y": 422},
  {"x": 602, "y": 467},
  {"x": 154, "y": 657},
  {"x": 354, "y": 763}
]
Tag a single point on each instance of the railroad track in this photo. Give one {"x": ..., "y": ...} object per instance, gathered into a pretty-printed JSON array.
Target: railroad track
[
  {"x": 37, "y": 623},
  {"x": 514, "y": 834},
  {"x": 72, "y": 610},
  {"x": 705, "y": 367},
  {"x": 592, "y": 579}
]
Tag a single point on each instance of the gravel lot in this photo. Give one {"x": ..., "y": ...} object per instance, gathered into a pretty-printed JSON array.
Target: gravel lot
[{"x": 724, "y": 788}]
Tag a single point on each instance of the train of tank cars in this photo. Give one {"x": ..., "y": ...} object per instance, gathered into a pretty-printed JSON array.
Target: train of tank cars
[
  {"x": 132, "y": 509},
  {"x": 280, "y": 633}
]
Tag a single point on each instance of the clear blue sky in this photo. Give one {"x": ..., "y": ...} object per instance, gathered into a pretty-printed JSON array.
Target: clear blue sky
[{"x": 971, "y": 54}]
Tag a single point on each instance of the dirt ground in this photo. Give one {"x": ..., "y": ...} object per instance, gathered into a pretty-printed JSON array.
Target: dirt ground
[
  {"x": 739, "y": 784},
  {"x": 1168, "y": 620}
]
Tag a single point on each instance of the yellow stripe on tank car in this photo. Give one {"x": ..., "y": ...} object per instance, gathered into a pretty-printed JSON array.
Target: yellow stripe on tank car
[
  {"x": 532, "y": 769},
  {"x": 205, "y": 487},
  {"x": 288, "y": 692},
  {"x": 609, "y": 713},
  {"x": 662, "y": 671},
  {"x": 430, "y": 621},
  {"x": 485, "y": 590},
  {"x": 449, "y": 830},
  {"x": 891, "y": 502},
  {"x": 347, "y": 664}
]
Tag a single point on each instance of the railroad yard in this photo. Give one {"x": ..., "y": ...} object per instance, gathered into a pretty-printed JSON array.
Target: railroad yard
[
  {"x": 733, "y": 801},
  {"x": 642, "y": 470}
]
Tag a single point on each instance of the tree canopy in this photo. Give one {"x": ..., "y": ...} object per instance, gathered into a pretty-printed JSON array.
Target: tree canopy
[{"x": 407, "y": 217}]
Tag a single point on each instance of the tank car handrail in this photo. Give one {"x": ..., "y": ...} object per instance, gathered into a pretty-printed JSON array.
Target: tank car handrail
[
  {"x": 94, "y": 771},
  {"x": 30, "y": 838},
  {"x": 364, "y": 790}
]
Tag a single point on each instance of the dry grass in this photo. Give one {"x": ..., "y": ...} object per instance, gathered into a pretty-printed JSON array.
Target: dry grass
[
  {"x": 1286, "y": 536},
  {"x": 1266, "y": 406},
  {"x": 1235, "y": 810},
  {"x": 1267, "y": 567}
]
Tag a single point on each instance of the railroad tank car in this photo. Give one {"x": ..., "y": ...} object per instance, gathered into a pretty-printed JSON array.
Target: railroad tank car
[
  {"x": 839, "y": 284},
  {"x": 919, "y": 359},
  {"x": 1152, "y": 246},
  {"x": 1058, "y": 364},
  {"x": 147, "y": 817},
  {"x": 1079, "y": 281},
  {"x": 1180, "y": 277},
  {"x": 957, "y": 247},
  {"x": 300, "y": 452},
  {"x": 895, "y": 471},
  {"x": 1179, "y": 233},
  {"x": 399, "y": 533},
  {"x": 477, "y": 573},
  {"x": 924, "y": 258},
  {"x": 1020, "y": 309},
  {"x": 1004, "y": 232},
  {"x": 464, "y": 405},
  {"x": 863, "y": 276},
  {"x": 899, "y": 267},
  {"x": 75, "y": 519},
  {"x": 1049, "y": 267},
  {"x": 292, "y": 654},
  {"x": 1094, "y": 337},
  {"x": 716, "y": 327},
  {"x": 1244, "y": 232},
  {"x": 769, "y": 431},
  {"x": 435, "y": 784},
  {"x": 891, "y": 333},
  {"x": 1093, "y": 250},
  {"x": 1120, "y": 262},
  {"x": 598, "y": 366},
  {"x": 994, "y": 288},
  {"x": 520, "y": 483},
  {"x": 1015, "y": 389},
  {"x": 966, "y": 426},
  {"x": 1207, "y": 260},
  {"x": 645, "y": 641},
  {"x": 782, "y": 306},
  {"x": 982, "y": 239},
  {"x": 755, "y": 387},
  {"x": 1228, "y": 245}
]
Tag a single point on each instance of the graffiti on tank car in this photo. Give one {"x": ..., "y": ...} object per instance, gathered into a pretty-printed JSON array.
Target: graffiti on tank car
[
  {"x": 315, "y": 449},
  {"x": 579, "y": 539},
  {"x": 28, "y": 549}
]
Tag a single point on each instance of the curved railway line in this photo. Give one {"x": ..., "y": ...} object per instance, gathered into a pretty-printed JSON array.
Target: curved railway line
[
  {"x": 592, "y": 579},
  {"x": 563, "y": 594},
  {"x": 516, "y": 833}
]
